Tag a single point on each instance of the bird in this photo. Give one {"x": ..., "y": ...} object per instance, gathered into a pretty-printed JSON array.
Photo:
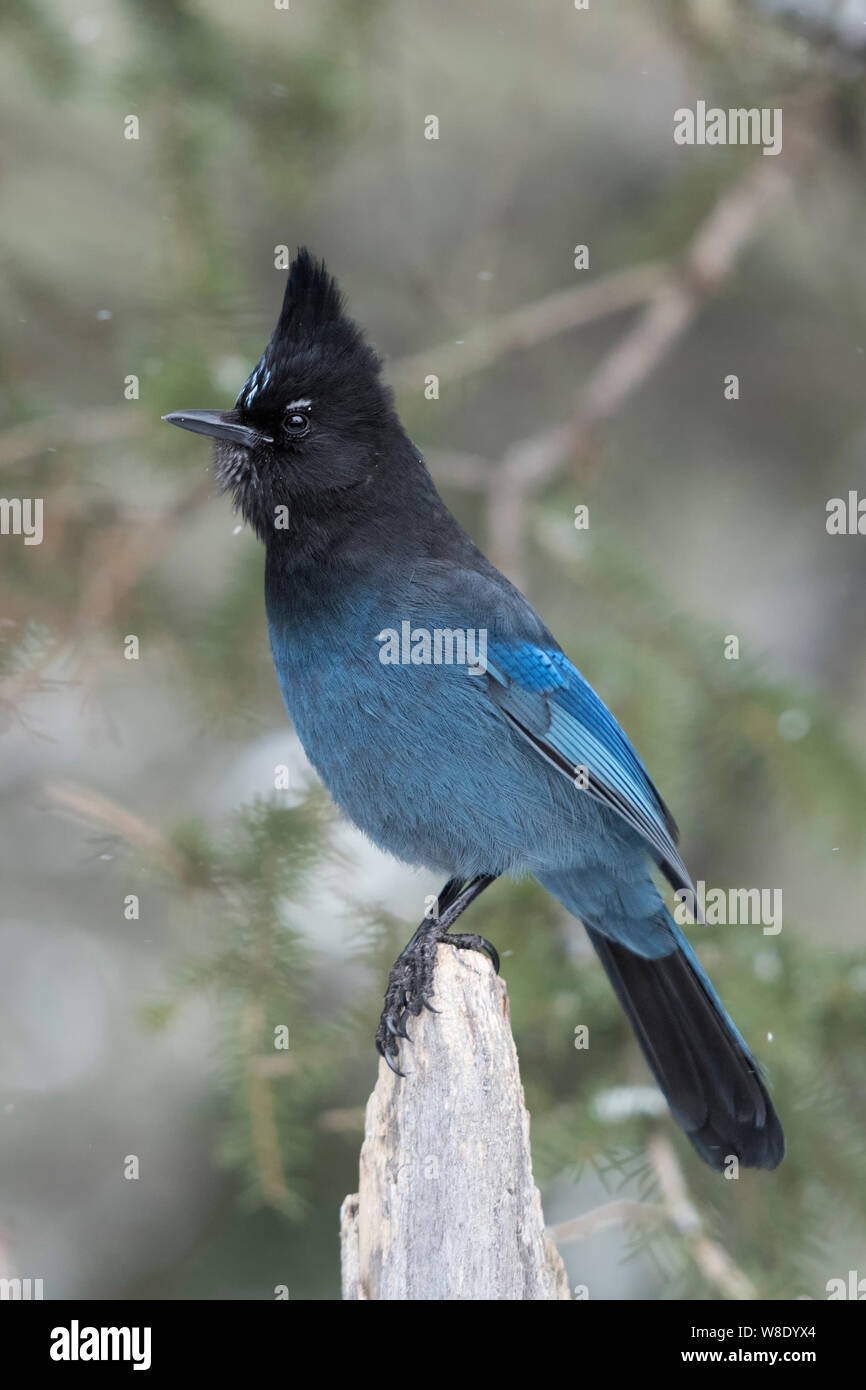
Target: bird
[{"x": 497, "y": 759}]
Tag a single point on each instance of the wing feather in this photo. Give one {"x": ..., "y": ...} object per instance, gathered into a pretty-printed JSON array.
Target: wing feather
[{"x": 549, "y": 703}]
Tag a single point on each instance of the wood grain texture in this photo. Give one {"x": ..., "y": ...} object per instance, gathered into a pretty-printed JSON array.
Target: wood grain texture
[{"x": 447, "y": 1207}]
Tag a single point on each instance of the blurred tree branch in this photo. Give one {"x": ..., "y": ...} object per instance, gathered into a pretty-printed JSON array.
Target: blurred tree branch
[
  {"x": 119, "y": 560},
  {"x": 90, "y": 806},
  {"x": 530, "y": 463},
  {"x": 676, "y": 1209},
  {"x": 531, "y": 324},
  {"x": 711, "y": 1259}
]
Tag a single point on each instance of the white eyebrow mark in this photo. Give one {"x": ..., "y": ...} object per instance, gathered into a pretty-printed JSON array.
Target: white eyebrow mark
[{"x": 294, "y": 405}]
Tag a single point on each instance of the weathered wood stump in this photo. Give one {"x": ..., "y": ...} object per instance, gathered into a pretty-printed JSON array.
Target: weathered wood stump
[{"x": 447, "y": 1207}]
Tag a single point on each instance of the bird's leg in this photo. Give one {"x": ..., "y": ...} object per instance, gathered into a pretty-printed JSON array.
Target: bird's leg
[{"x": 410, "y": 984}]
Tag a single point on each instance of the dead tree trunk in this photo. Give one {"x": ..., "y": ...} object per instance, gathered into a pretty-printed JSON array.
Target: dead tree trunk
[{"x": 447, "y": 1208}]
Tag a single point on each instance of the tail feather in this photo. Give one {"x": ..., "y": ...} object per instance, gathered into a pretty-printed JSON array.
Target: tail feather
[{"x": 709, "y": 1078}]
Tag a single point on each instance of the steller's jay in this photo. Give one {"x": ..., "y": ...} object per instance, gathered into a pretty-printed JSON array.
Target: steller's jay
[{"x": 444, "y": 718}]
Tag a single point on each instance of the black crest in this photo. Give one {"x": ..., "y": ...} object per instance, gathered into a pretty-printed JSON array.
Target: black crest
[
  {"x": 312, "y": 303},
  {"x": 312, "y": 330}
]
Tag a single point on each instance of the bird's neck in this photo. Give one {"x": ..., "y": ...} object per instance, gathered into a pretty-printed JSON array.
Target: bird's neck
[{"x": 362, "y": 537}]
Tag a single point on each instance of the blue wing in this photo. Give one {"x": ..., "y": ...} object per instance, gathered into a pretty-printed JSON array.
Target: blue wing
[{"x": 547, "y": 700}]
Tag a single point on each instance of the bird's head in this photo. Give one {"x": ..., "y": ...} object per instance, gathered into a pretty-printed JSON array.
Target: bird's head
[{"x": 311, "y": 417}]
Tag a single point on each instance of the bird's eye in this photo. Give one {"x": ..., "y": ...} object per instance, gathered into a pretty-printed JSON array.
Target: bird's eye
[{"x": 296, "y": 424}]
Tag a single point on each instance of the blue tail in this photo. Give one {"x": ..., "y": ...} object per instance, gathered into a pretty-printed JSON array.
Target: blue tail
[{"x": 701, "y": 1063}]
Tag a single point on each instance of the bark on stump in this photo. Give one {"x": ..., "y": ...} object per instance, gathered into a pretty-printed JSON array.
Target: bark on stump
[{"x": 447, "y": 1207}]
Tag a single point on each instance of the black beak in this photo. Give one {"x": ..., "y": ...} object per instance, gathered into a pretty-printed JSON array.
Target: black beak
[{"x": 217, "y": 424}]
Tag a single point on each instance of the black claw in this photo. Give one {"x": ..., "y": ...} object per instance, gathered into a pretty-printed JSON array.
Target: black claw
[
  {"x": 383, "y": 1053},
  {"x": 410, "y": 985},
  {"x": 493, "y": 954},
  {"x": 468, "y": 942}
]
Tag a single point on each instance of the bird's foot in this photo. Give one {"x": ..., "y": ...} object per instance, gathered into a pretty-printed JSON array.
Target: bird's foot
[{"x": 410, "y": 984}]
